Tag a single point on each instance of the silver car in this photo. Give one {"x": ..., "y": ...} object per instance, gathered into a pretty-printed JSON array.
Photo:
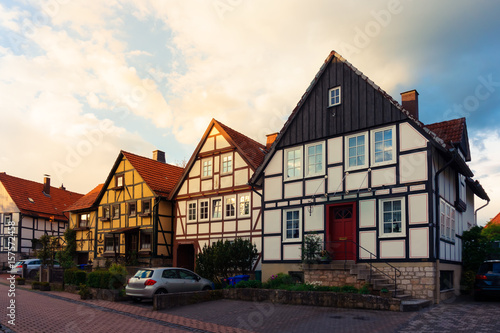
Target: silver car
[
  {"x": 148, "y": 282},
  {"x": 33, "y": 266}
]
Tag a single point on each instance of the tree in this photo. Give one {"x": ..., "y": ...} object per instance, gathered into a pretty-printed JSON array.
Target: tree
[
  {"x": 66, "y": 256},
  {"x": 46, "y": 253},
  {"x": 491, "y": 231},
  {"x": 475, "y": 248}
]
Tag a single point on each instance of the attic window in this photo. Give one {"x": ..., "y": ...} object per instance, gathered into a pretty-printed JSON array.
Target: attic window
[
  {"x": 31, "y": 200},
  {"x": 334, "y": 96}
]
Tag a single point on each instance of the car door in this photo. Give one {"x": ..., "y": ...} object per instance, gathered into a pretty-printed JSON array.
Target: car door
[
  {"x": 191, "y": 280},
  {"x": 171, "y": 281}
]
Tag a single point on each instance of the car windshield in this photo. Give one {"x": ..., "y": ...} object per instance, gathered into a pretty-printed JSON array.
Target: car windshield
[
  {"x": 489, "y": 268},
  {"x": 19, "y": 263},
  {"x": 143, "y": 273}
]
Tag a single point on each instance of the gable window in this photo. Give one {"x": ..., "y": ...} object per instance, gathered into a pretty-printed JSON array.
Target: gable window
[
  {"x": 461, "y": 203},
  {"x": 227, "y": 163},
  {"x": 292, "y": 224},
  {"x": 119, "y": 181},
  {"x": 7, "y": 219},
  {"x": 392, "y": 217},
  {"x": 191, "y": 211},
  {"x": 447, "y": 221},
  {"x": 146, "y": 207},
  {"x": 105, "y": 213},
  {"x": 383, "y": 147},
  {"x": 216, "y": 208},
  {"x": 315, "y": 155},
  {"x": 334, "y": 96},
  {"x": 357, "y": 151},
  {"x": 145, "y": 241},
  {"x": 207, "y": 168},
  {"x": 203, "y": 209},
  {"x": 244, "y": 205},
  {"x": 230, "y": 207},
  {"x": 116, "y": 211},
  {"x": 83, "y": 220},
  {"x": 293, "y": 160},
  {"x": 132, "y": 208}
]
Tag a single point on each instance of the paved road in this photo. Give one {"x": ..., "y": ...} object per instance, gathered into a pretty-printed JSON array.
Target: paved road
[{"x": 63, "y": 312}]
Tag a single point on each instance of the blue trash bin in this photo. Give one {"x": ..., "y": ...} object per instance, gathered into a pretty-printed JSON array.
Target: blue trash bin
[{"x": 235, "y": 279}]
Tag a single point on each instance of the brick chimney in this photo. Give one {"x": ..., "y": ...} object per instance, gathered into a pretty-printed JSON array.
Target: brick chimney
[
  {"x": 409, "y": 101},
  {"x": 46, "y": 184},
  {"x": 159, "y": 156},
  {"x": 270, "y": 140}
]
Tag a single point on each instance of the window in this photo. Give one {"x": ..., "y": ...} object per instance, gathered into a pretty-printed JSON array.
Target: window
[
  {"x": 230, "y": 207},
  {"x": 192, "y": 211},
  {"x": 293, "y": 160},
  {"x": 132, "y": 208},
  {"x": 227, "y": 163},
  {"x": 116, "y": 211},
  {"x": 392, "y": 217},
  {"x": 292, "y": 224},
  {"x": 244, "y": 205},
  {"x": 445, "y": 280},
  {"x": 461, "y": 203},
  {"x": 314, "y": 159},
  {"x": 146, "y": 207},
  {"x": 119, "y": 181},
  {"x": 204, "y": 209},
  {"x": 109, "y": 244},
  {"x": 207, "y": 168},
  {"x": 216, "y": 208},
  {"x": 105, "y": 213},
  {"x": 145, "y": 241},
  {"x": 84, "y": 220},
  {"x": 334, "y": 96},
  {"x": 447, "y": 221},
  {"x": 383, "y": 147},
  {"x": 357, "y": 151},
  {"x": 8, "y": 219}
]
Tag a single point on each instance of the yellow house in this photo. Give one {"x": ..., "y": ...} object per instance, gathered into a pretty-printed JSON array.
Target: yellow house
[
  {"x": 135, "y": 217},
  {"x": 83, "y": 219}
]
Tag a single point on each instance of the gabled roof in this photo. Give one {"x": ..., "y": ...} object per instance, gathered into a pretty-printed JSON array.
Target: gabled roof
[
  {"x": 251, "y": 151},
  {"x": 453, "y": 133},
  {"x": 87, "y": 201},
  {"x": 160, "y": 177},
  {"x": 495, "y": 220},
  {"x": 30, "y": 199}
]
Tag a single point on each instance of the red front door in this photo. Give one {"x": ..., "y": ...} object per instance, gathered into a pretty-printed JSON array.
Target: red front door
[{"x": 341, "y": 231}]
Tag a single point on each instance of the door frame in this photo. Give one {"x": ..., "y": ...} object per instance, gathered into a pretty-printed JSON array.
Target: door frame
[{"x": 329, "y": 217}]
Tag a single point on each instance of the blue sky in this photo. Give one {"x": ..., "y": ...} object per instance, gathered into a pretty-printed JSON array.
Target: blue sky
[{"x": 80, "y": 80}]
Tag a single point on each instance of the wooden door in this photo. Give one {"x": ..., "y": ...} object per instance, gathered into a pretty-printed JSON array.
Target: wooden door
[{"x": 341, "y": 231}]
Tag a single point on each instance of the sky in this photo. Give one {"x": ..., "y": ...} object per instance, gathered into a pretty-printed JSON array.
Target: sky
[{"x": 82, "y": 80}]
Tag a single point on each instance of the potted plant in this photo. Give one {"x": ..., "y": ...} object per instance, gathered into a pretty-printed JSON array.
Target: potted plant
[
  {"x": 84, "y": 292},
  {"x": 35, "y": 285},
  {"x": 325, "y": 257},
  {"x": 44, "y": 286},
  {"x": 20, "y": 281},
  {"x": 385, "y": 293}
]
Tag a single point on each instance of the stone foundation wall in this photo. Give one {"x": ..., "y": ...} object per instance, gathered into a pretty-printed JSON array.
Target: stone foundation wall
[{"x": 326, "y": 275}]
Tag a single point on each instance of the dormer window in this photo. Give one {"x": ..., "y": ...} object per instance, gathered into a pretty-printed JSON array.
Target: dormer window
[
  {"x": 334, "y": 96},
  {"x": 119, "y": 181}
]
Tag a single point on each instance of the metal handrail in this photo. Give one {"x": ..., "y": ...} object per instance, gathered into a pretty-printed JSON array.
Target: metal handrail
[{"x": 397, "y": 272}]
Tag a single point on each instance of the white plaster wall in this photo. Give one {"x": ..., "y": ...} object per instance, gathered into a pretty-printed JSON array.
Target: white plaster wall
[
  {"x": 357, "y": 180},
  {"x": 203, "y": 228},
  {"x": 214, "y": 131},
  {"x": 221, "y": 142},
  {"x": 276, "y": 164},
  {"x": 256, "y": 199},
  {"x": 291, "y": 252},
  {"x": 315, "y": 186},
  {"x": 413, "y": 167},
  {"x": 194, "y": 185},
  {"x": 272, "y": 221},
  {"x": 392, "y": 249},
  {"x": 183, "y": 189},
  {"x": 226, "y": 181},
  {"x": 241, "y": 177},
  {"x": 385, "y": 176},
  {"x": 418, "y": 208},
  {"x": 243, "y": 225},
  {"x": 209, "y": 145},
  {"x": 419, "y": 242},
  {"x": 229, "y": 226},
  {"x": 257, "y": 219},
  {"x": 335, "y": 150},
  {"x": 195, "y": 170},
  {"x": 206, "y": 185},
  {"x": 272, "y": 248},
  {"x": 239, "y": 162},
  {"x": 368, "y": 240},
  {"x": 272, "y": 188},
  {"x": 293, "y": 190},
  {"x": 410, "y": 138},
  {"x": 180, "y": 225},
  {"x": 335, "y": 176},
  {"x": 367, "y": 213},
  {"x": 215, "y": 227},
  {"x": 315, "y": 220},
  {"x": 192, "y": 229},
  {"x": 7, "y": 205}
]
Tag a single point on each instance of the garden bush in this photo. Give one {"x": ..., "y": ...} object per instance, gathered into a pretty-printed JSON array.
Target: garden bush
[
  {"x": 249, "y": 284},
  {"x": 69, "y": 276},
  {"x": 279, "y": 281},
  {"x": 99, "y": 279}
]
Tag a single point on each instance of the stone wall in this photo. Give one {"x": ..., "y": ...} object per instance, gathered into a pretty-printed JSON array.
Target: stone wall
[{"x": 331, "y": 275}]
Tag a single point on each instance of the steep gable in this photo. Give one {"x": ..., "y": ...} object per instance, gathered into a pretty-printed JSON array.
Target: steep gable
[
  {"x": 453, "y": 133},
  {"x": 88, "y": 200}
]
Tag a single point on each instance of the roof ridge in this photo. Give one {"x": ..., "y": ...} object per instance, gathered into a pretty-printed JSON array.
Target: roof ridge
[
  {"x": 232, "y": 129},
  {"x": 34, "y": 182},
  {"x": 151, "y": 159}
]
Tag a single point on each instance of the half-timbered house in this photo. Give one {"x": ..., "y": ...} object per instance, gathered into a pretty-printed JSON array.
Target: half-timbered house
[
  {"x": 29, "y": 210},
  {"x": 213, "y": 199},
  {"x": 377, "y": 185},
  {"x": 135, "y": 216}
]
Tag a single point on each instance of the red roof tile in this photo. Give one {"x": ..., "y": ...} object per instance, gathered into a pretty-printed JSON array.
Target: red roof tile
[
  {"x": 495, "y": 220},
  {"x": 30, "y": 199},
  {"x": 450, "y": 131},
  {"x": 160, "y": 177},
  {"x": 88, "y": 200},
  {"x": 253, "y": 151}
]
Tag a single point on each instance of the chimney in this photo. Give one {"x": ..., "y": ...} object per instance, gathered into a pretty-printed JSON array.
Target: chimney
[
  {"x": 46, "y": 184},
  {"x": 270, "y": 140},
  {"x": 409, "y": 101},
  {"x": 159, "y": 156}
]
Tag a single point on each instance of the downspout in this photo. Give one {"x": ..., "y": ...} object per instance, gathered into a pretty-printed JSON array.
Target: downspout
[
  {"x": 475, "y": 212},
  {"x": 438, "y": 224}
]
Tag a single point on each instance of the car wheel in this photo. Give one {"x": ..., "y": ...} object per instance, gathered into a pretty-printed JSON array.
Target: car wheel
[
  {"x": 32, "y": 274},
  {"x": 206, "y": 288},
  {"x": 161, "y": 291}
]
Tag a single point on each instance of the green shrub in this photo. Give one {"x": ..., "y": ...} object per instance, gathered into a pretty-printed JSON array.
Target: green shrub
[
  {"x": 349, "y": 289},
  {"x": 249, "y": 284},
  {"x": 365, "y": 289},
  {"x": 69, "y": 276},
  {"x": 79, "y": 277},
  {"x": 118, "y": 277},
  {"x": 99, "y": 279},
  {"x": 280, "y": 280}
]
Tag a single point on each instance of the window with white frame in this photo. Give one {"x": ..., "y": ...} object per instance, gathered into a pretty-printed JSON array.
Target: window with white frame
[
  {"x": 334, "y": 96},
  {"x": 227, "y": 163},
  {"x": 191, "y": 212},
  {"x": 244, "y": 205},
  {"x": 356, "y": 151},
  {"x": 217, "y": 208},
  {"x": 383, "y": 146},
  {"x": 207, "y": 168},
  {"x": 447, "y": 221},
  {"x": 292, "y": 224},
  {"x": 315, "y": 156},
  {"x": 392, "y": 217},
  {"x": 230, "y": 207},
  {"x": 293, "y": 163},
  {"x": 204, "y": 210}
]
